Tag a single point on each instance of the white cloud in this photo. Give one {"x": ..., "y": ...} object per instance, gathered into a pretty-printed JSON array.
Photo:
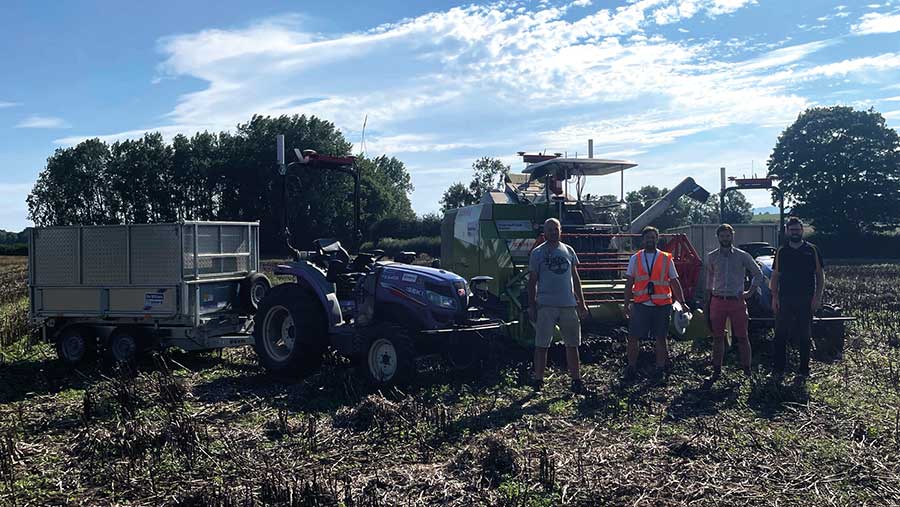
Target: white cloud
[
  {"x": 892, "y": 115},
  {"x": 875, "y": 22},
  {"x": 8, "y": 104},
  {"x": 42, "y": 122},
  {"x": 167, "y": 131},
  {"x": 414, "y": 143}
]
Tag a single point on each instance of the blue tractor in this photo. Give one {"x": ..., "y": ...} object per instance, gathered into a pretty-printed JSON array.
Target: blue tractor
[{"x": 382, "y": 315}]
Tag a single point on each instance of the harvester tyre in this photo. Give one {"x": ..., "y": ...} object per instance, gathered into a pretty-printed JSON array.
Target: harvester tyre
[
  {"x": 290, "y": 331},
  {"x": 253, "y": 291},
  {"x": 386, "y": 359},
  {"x": 76, "y": 346}
]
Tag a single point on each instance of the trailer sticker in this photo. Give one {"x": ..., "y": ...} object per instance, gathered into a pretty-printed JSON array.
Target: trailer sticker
[
  {"x": 409, "y": 277},
  {"x": 152, "y": 299}
]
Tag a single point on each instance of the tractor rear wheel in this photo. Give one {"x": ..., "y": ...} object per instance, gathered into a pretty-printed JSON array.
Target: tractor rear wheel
[
  {"x": 290, "y": 331},
  {"x": 76, "y": 345},
  {"x": 386, "y": 359}
]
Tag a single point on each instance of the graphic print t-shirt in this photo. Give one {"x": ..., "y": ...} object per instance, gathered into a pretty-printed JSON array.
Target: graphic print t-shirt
[{"x": 554, "y": 269}]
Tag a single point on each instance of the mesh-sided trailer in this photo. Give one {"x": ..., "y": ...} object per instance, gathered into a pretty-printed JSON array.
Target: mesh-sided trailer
[{"x": 124, "y": 288}]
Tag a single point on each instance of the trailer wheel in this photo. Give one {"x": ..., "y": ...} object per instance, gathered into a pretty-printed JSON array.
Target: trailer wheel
[
  {"x": 123, "y": 346},
  {"x": 291, "y": 331},
  {"x": 387, "y": 359},
  {"x": 76, "y": 345},
  {"x": 253, "y": 290}
]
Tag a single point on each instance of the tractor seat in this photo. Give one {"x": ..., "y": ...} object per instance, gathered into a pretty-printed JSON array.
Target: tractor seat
[{"x": 332, "y": 249}]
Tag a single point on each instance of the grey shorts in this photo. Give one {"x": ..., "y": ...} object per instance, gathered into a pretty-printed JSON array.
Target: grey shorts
[
  {"x": 649, "y": 321},
  {"x": 547, "y": 319}
]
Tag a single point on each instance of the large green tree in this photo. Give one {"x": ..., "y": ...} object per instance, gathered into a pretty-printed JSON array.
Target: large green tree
[
  {"x": 487, "y": 174},
  {"x": 840, "y": 168}
]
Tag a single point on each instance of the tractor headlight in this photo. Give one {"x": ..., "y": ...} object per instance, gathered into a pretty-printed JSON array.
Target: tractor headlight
[{"x": 441, "y": 300}]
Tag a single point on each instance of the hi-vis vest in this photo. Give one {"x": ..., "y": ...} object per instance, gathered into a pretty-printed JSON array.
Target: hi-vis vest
[{"x": 662, "y": 292}]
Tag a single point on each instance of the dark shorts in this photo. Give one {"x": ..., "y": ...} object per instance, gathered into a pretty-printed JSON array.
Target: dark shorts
[{"x": 649, "y": 321}]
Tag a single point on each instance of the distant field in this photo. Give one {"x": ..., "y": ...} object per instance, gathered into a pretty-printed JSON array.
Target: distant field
[
  {"x": 215, "y": 430},
  {"x": 765, "y": 218}
]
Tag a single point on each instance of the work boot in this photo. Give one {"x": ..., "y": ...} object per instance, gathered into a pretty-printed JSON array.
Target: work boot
[
  {"x": 578, "y": 386},
  {"x": 537, "y": 384},
  {"x": 748, "y": 372}
]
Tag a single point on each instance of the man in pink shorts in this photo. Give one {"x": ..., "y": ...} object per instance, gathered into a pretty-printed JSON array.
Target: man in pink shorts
[{"x": 726, "y": 269}]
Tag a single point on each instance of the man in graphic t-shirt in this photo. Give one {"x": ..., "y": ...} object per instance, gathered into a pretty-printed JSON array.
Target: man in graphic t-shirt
[{"x": 555, "y": 297}]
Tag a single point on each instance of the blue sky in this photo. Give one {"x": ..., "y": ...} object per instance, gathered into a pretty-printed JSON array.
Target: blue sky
[{"x": 682, "y": 87}]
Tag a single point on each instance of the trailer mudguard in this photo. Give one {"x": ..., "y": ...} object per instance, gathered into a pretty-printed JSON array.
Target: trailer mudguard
[{"x": 313, "y": 277}]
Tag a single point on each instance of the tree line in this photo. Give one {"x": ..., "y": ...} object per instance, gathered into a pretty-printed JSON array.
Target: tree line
[
  {"x": 219, "y": 176},
  {"x": 839, "y": 168}
]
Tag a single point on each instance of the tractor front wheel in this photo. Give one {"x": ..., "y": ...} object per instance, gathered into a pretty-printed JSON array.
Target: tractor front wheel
[
  {"x": 387, "y": 359},
  {"x": 290, "y": 331}
]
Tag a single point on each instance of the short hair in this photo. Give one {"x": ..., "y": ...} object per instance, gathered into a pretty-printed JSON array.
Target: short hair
[
  {"x": 649, "y": 228},
  {"x": 794, "y": 221},
  {"x": 724, "y": 227},
  {"x": 554, "y": 221}
]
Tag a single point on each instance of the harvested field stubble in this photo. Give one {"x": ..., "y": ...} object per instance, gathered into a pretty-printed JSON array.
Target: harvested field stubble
[{"x": 214, "y": 430}]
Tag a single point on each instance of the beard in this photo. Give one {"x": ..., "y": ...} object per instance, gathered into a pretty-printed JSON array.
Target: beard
[
  {"x": 725, "y": 244},
  {"x": 796, "y": 238}
]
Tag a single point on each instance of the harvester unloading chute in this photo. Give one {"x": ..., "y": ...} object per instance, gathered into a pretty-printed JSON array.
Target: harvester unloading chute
[{"x": 687, "y": 187}]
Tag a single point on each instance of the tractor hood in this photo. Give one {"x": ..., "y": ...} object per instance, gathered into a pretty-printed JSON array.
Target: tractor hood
[{"x": 410, "y": 273}]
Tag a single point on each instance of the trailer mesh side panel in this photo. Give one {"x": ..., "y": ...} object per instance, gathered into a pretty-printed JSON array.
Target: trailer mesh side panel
[
  {"x": 56, "y": 256},
  {"x": 215, "y": 239},
  {"x": 152, "y": 259},
  {"x": 104, "y": 255}
]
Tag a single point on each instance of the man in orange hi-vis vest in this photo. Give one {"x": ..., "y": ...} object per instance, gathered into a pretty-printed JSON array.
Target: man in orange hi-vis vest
[{"x": 651, "y": 285}]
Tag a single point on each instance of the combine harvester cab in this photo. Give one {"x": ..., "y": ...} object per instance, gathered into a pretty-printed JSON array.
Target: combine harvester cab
[{"x": 496, "y": 236}]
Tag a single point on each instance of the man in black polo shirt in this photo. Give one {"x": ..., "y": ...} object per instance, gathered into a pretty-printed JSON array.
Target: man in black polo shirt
[{"x": 798, "y": 282}]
